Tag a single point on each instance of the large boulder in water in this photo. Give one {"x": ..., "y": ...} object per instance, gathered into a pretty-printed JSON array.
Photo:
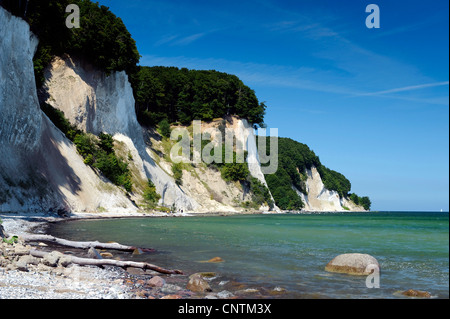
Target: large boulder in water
[{"x": 353, "y": 264}]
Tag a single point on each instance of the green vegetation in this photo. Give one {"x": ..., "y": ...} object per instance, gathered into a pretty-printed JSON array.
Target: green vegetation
[
  {"x": 97, "y": 152},
  {"x": 294, "y": 159},
  {"x": 151, "y": 197},
  {"x": 177, "y": 171},
  {"x": 182, "y": 95},
  {"x": 102, "y": 39},
  {"x": 164, "y": 128},
  {"x": 363, "y": 201}
]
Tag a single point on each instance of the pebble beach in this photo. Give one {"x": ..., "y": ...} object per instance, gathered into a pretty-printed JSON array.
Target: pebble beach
[{"x": 37, "y": 279}]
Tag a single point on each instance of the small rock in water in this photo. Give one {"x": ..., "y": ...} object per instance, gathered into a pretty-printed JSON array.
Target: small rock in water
[
  {"x": 416, "y": 293},
  {"x": 198, "y": 284},
  {"x": 216, "y": 260}
]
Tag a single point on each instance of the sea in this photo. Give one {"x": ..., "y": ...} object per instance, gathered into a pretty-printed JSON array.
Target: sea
[{"x": 284, "y": 255}]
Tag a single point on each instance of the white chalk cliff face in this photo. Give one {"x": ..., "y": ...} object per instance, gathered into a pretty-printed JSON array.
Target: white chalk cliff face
[
  {"x": 40, "y": 170},
  {"x": 98, "y": 103},
  {"x": 320, "y": 199}
]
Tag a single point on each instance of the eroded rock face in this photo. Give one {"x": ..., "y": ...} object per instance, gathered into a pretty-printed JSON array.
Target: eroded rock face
[
  {"x": 40, "y": 169},
  {"x": 353, "y": 264},
  {"x": 98, "y": 103}
]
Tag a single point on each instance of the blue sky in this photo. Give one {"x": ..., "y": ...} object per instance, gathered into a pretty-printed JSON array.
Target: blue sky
[{"x": 372, "y": 103}]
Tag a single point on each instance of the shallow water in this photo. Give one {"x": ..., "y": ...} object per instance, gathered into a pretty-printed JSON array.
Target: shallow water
[{"x": 290, "y": 251}]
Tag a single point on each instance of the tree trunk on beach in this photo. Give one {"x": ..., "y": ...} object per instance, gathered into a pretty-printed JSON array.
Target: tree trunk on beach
[
  {"x": 66, "y": 260},
  {"x": 82, "y": 244}
]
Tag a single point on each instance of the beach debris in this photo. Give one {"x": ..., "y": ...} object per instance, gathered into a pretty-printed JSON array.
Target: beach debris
[
  {"x": 353, "y": 264},
  {"x": 81, "y": 244},
  {"x": 56, "y": 256}
]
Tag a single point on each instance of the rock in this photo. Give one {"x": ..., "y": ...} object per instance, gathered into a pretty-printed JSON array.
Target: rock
[
  {"x": 65, "y": 261},
  {"x": 352, "y": 264},
  {"x": 416, "y": 293},
  {"x": 106, "y": 255},
  {"x": 24, "y": 261},
  {"x": 137, "y": 251},
  {"x": 216, "y": 260},
  {"x": 51, "y": 259},
  {"x": 20, "y": 249},
  {"x": 2, "y": 232},
  {"x": 198, "y": 284},
  {"x": 156, "y": 281},
  {"x": 93, "y": 253}
]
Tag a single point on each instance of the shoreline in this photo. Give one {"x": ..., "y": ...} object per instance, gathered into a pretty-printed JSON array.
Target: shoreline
[
  {"x": 78, "y": 282},
  {"x": 92, "y": 282}
]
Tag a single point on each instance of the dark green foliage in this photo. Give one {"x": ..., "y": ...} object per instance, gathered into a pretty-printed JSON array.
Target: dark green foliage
[
  {"x": 164, "y": 128},
  {"x": 363, "y": 201},
  {"x": 260, "y": 193},
  {"x": 234, "y": 171},
  {"x": 183, "y": 95},
  {"x": 102, "y": 38},
  {"x": 177, "y": 171},
  {"x": 151, "y": 197},
  {"x": 106, "y": 143},
  {"x": 97, "y": 152}
]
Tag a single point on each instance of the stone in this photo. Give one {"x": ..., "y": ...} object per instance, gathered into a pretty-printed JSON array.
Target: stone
[
  {"x": 198, "y": 284},
  {"x": 352, "y": 264},
  {"x": 216, "y": 260},
  {"x": 416, "y": 293},
  {"x": 93, "y": 253},
  {"x": 65, "y": 261},
  {"x": 106, "y": 255},
  {"x": 20, "y": 249},
  {"x": 51, "y": 259},
  {"x": 24, "y": 261},
  {"x": 2, "y": 232},
  {"x": 156, "y": 281}
]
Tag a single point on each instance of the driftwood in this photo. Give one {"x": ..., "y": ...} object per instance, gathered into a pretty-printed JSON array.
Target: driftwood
[
  {"x": 105, "y": 262},
  {"x": 82, "y": 244}
]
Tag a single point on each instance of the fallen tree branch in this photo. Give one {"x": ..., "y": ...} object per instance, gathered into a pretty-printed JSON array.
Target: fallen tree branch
[
  {"x": 105, "y": 262},
  {"x": 81, "y": 244}
]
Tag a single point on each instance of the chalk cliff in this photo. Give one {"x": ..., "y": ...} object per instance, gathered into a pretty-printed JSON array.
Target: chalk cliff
[
  {"x": 320, "y": 199},
  {"x": 40, "y": 169}
]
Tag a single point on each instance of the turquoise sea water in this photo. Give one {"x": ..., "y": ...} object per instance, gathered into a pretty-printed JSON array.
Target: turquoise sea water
[{"x": 290, "y": 251}]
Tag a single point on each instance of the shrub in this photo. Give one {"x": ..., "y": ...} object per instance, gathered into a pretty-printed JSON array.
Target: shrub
[{"x": 151, "y": 197}]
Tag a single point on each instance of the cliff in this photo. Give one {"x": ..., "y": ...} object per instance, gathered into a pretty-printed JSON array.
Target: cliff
[
  {"x": 41, "y": 169},
  {"x": 319, "y": 198}
]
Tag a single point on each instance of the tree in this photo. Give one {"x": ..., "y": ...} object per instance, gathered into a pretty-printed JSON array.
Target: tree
[{"x": 164, "y": 128}]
